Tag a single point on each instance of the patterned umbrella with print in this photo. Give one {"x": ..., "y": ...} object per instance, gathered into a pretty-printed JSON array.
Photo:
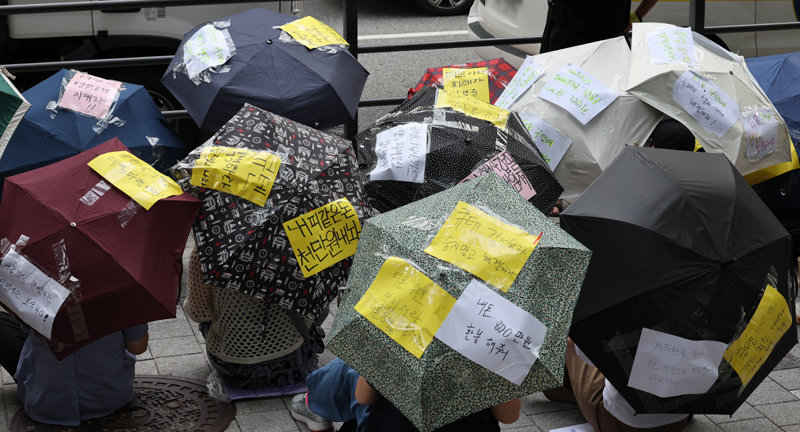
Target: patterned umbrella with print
[
  {"x": 416, "y": 153},
  {"x": 282, "y": 204},
  {"x": 499, "y": 73}
]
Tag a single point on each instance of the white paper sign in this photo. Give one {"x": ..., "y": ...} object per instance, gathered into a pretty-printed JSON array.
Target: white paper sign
[
  {"x": 760, "y": 132},
  {"x": 579, "y": 93},
  {"x": 548, "y": 139},
  {"x": 401, "y": 153},
  {"x": 672, "y": 45},
  {"x": 667, "y": 365},
  {"x": 528, "y": 73},
  {"x": 493, "y": 332},
  {"x": 584, "y": 427},
  {"x": 29, "y": 293},
  {"x": 705, "y": 102},
  {"x": 208, "y": 47}
]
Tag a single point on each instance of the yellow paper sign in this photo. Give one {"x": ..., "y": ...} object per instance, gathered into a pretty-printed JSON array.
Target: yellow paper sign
[
  {"x": 134, "y": 177},
  {"x": 313, "y": 33},
  {"x": 482, "y": 245},
  {"x": 245, "y": 173},
  {"x": 471, "y": 82},
  {"x": 473, "y": 108},
  {"x": 770, "y": 321},
  {"x": 324, "y": 236},
  {"x": 406, "y": 305}
]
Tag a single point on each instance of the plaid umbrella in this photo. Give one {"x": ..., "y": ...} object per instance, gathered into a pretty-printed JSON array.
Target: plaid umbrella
[
  {"x": 281, "y": 209},
  {"x": 687, "y": 304},
  {"x": 453, "y": 147},
  {"x": 500, "y": 74},
  {"x": 12, "y": 107},
  {"x": 426, "y": 379}
]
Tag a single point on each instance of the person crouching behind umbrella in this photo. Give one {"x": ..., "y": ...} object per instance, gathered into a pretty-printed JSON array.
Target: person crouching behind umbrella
[
  {"x": 92, "y": 382},
  {"x": 338, "y": 393}
]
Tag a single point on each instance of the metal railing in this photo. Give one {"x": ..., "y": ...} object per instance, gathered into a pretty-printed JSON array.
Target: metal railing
[{"x": 350, "y": 33}]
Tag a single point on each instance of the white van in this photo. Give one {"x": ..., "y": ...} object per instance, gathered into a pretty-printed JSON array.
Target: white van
[{"x": 521, "y": 18}]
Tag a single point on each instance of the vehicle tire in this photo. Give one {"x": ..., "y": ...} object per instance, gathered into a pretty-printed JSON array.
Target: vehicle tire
[{"x": 446, "y": 7}]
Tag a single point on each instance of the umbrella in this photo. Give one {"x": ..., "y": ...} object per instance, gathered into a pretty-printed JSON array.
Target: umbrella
[
  {"x": 13, "y": 107},
  {"x": 778, "y": 77},
  {"x": 282, "y": 204},
  {"x": 709, "y": 90},
  {"x": 593, "y": 75},
  {"x": 257, "y": 64},
  {"x": 46, "y": 134},
  {"x": 498, "y": 72},
  {"x": 80, "y": 224},
  {"x": 686, "y": 305},
  {"x": 403, "y": 262}
]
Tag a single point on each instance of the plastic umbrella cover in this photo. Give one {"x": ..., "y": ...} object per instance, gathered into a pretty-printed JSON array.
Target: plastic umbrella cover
[
  {"x": 459, "y": 301},
  {"x": 90, "y": 96},
  {"x": 282, "y": 204}
]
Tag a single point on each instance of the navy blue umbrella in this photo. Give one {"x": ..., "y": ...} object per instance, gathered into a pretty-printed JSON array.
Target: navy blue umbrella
[
  {"x": 779, "y": 76},
  {"x": 316, "y": 87},
  {"x": 41, "y": 138}
]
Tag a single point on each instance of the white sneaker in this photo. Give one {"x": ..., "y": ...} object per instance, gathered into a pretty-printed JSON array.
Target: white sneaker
[{"x": 300, "y": 412}]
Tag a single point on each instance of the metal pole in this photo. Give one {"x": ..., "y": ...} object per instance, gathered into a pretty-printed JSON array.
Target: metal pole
[
  {"x": 697, "y": 15},
  {"x": 350, "y": 13}
]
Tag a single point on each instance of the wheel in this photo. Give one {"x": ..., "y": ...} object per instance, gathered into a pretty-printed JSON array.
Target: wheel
[{"x": 445, "y": 7}]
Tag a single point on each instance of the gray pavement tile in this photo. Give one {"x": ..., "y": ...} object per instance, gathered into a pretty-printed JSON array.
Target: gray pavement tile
[
  {"x": 701, "y": 423},
  {"x": 170, "y": 328},
  {"x": 782, "y": 414},
  {"x": 233, "y": 427},
  {"x": 5, "y": 377},
  {"x": 272, "y": 421},
  {"x": 787, "y": 378},
  {"x": 326, "y": 357},
  {"x": 146, "y": 355},
  {"x": 554, "y": 420},
  {"x": 754, "y": 425},
  {"x": 189, "y": 366},
  {"x": 175, "y": 346},
  {"x": 10, "y": 394},
  {"x": 745, "y": 412},
  {"x": 523, "y": 423},
  {"x": 250, "y": 406},
  {"x": 770, "y": 392},
  {"x": 536, "y": 403},
  {"x": 791, "y": 428},
  {"x": 146, "y": 367}
]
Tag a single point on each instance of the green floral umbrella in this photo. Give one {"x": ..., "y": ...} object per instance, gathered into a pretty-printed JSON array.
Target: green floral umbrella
[{"x": 413, "y": 286}]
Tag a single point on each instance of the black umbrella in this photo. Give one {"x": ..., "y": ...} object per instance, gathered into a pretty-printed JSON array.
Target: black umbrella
[
  {"x": 243, "y": 244},
  {"x": 682, "y": 247},
  {"x": 456, "y": 147}
]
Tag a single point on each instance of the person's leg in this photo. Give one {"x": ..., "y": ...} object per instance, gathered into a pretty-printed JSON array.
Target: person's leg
[
  {"x": 587, "y": 385},
  {"x": 12, "y": 338},
  {"x": 331, "y": 392}
]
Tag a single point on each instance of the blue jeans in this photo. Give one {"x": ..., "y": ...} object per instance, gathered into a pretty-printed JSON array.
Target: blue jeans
[{"x": 332, "y": 393}]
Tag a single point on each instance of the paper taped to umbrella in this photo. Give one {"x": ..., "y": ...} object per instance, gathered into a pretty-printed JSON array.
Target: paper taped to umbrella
[
  {"x": 711, "y": 91},
  {"x": 91, "y": 96},
  {"x": 499, "y": 73},
  {"x": 526, "y": 76},
  {"x": 282, "y": 205},
  {"x": 313, "y": 33},
  {"x": 472, "y": 107},
  {"x": 464, "y": 296},
  {"x": 133, "y": 176},
  {"x": 206, "y": 51}
]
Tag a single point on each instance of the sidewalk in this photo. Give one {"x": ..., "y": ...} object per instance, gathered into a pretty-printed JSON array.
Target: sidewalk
[{"x": 177, "y": 348}]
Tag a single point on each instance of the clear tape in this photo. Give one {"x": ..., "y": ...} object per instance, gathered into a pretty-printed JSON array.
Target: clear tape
[
  {"x": 103, "y": 122},
  {"x": 330, "y": 49},
  {"x": 204, "y": 76}
]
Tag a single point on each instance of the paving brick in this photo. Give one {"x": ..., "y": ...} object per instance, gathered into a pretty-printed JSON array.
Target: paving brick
[
  {"x": 787, "y": 413},
  {"x": 701, "y": 423},
  {"x": 174, "y": 346},
  {"x": 745, "y": 412},
  {"x": 554, "y": 420},
  {"x": 189, "y": 366},
  {"x": 770, "y": 392},
  {"x": 272, "y": 421},
  {"x": 787, "y": 378},
  {"x": 754, "y": 425},
  {"x": 536, "y": 403}
]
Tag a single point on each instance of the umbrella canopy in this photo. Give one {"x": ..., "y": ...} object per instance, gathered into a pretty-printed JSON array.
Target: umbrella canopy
[
  {"x": 711, "y": 91},
  {"x": 282, "y": 204},
  {"x": 403, "y": 262},
  {"x": 261, "y": 66},
  {"x": 416, "y": 151},
  {"x": 12, "y": 107},
  {"x": 498, "y": 73},
  {"x": 46, "y": 135},
  {"x": 779, "y": 77},
  {"x": 686, "y": 305},
  {"x": 563, "y": 106},
  {"x": 127, "y": 259}
]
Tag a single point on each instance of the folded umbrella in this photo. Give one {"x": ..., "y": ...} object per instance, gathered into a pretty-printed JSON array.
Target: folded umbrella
[
  {"x": 711, "y": 91},
  {"x": 477, "y": 248},
  {"x": 687, "y": 304},
  {"x": 498, "y": 74},
  {"x": 255, "y": 63},
  {"x": 126, "y": 258},
  {"x": 282, "y": 209},
  {"x": 48, "y": 133}
]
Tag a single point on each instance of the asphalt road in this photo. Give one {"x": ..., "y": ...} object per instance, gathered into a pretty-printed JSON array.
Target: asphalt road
[{"x": 395, "y": 22}]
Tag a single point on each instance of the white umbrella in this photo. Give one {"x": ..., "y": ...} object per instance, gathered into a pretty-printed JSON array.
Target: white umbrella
[
  {"x": 711, "y": 91},
  {"x": 582, "y": 97}
]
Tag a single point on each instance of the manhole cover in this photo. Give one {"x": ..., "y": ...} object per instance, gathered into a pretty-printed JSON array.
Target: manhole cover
[{"x": 165, "y": 404}]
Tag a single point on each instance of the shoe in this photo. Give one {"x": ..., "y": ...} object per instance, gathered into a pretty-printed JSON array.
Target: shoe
[{"x": 300, "y": 412}]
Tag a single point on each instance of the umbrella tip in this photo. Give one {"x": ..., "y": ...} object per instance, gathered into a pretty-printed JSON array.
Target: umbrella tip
[{"x": 269, "y": 41}]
